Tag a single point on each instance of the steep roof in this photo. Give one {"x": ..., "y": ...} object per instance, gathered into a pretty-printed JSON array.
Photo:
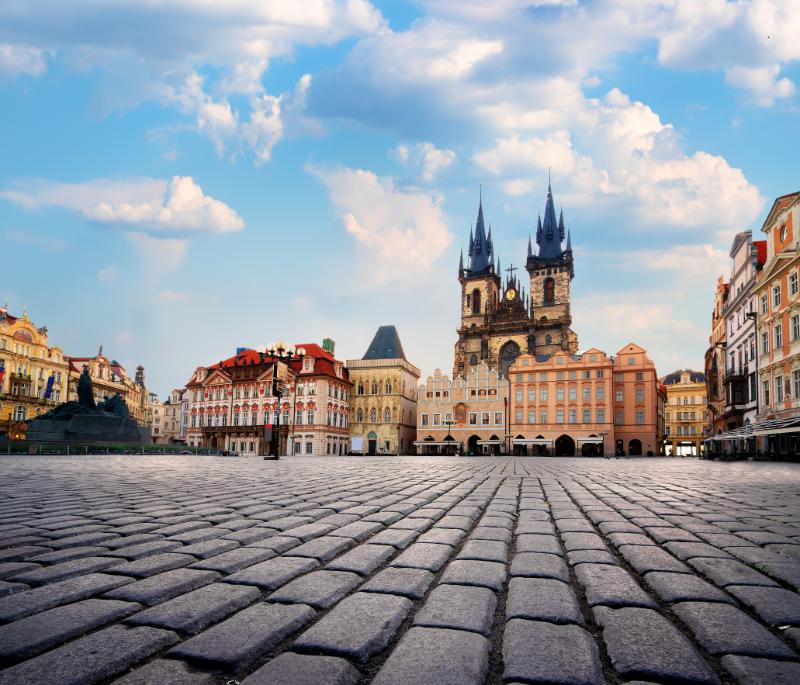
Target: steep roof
[{"x": 385, "y": 345}]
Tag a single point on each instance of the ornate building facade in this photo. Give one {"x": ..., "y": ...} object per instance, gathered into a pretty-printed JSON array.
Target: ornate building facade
[
  {"x": 686, "y": 412},
  {"x": 176, "y": 415},
  {"x": 498, "y": 320},
  {"x": 33, "y": 375},
  {"x": 383, "y": 407},
  {"x": 463, "y": 415}
]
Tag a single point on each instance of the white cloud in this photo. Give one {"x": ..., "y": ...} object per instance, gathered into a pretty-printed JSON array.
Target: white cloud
[
  {"x": 159, "y": 255},
  {"x": 171, "y": 296},
  {"x": 401, "y": 231},
  {"x": 425, "y": 158},
  {"x": 17, "y": 60},
  {"x": 107, "y": 274},
  {"x": 762, "y": 83},
  {"x": 682, "y": 264},
  {"x": 152, "y": 205}
]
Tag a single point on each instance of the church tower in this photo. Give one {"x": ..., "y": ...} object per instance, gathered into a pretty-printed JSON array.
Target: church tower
[{"x": 551, "y": 271}]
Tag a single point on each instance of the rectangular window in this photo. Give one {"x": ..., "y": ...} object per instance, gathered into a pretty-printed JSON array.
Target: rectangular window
[
  {"x": 559, "y": 375},
  {"x": 473, "y": 418},
  {"x": 778, "y": 389},
  {"x": 531, "y": 394},
  {"x": 586, "y": 374},
  {"x": 573, "y": 416},
  {"x": 601, "y": 416},
  {"x": 640, "y": 394},
  {"x": 437, "y": 419},
  {"x": 298, "y": 418},
  {"x": 796, "y": 327},
  {"x": 543, "y": 376},
  {"x": 693, "y": 430},
  {"x": 309, "y": 448},
  {"x": 586, "y": 392},
  {"x": 764, "y": 306},
  {"x": 573, "y": 393},
  {"x": 618, "y": 395},
  {"x": 543, "y": 416},
  {"x": 778, "y": 336},
  {"x": 560, "y": 394},
  {"x": 796, "y": 383},
  {"x": 766, "y": 393},
  {"x": 764, "y": 343},
  {"x": 619, "y": 417},
  {"x": 639, "y": 418},
  {"x": 518, "y": 395},
  {"x": 531, "y": 416},
  {"x": 485, "y": 418},
  {"x": 498, "y": 418},
  {"x": 587, "y": 416},
  {"x": 793, "y": 283},
  {"x": 424, "y": 420},
  {"x": 599, "y": 373},
  {"x": 573, "y": 375},
  {"x": 560, "y": 416},
  {"x": 543, "y": 394},
  {"x": 776, "y": 295},
  {"x": 518, "y": 416},
  {"x": 639, "y": 376},
  {"x": 601, "y": 392}
]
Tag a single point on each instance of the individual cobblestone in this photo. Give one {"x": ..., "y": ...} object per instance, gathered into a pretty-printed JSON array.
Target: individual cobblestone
[{"x": 403, "y": 570}]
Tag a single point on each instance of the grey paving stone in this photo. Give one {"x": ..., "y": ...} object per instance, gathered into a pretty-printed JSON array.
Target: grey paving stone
[
  {"x": 436, "y": 655},
  {"x": 536, "y": 565},
  {"x": 150, "y": 566},
  {"x": 209, "y": 548},
  {"x": 408, "y": 582},
  {"x": 537, "y": 652},
  {"x": 539, "y": 543},
  {"x": 32, "y": 635},
  {"x": 692, "y": 550},
  {"x": 166, "y": 672},
  {"x": 682, "y": 587},
  {"x": 590, "y": 556},
  {"x": 723, "y": 629},
  {"x": 64, "y": 570},
  {"x": 459, "y": 607},
  {"x": 644, "y": 559},
  {"x": 238, "y": 641},
  {"x": 480, "y": 573},
  {"x": 358, "y": 530},
  {"x": 323, "y": 549},
  {"x": 235, "y": 559},
  {"x": 7, "y": 588},
  {"x": 68, "y": 554},
  {"x": 400, "y": 539},
  {"x": 10, "y": 568},
  {"x": 113, "y": 650},
  {"x": 542, "y": 599},
  {"x": 24, "y": 552},
  {"x": 484, "y": 550},
  {"x": 271, "y": 574},
  {"x": 319, "y": 589},
  {"x": 611, "y": 586},
  {"x": 724, "y": 572},
  {"x": 360, "y": 626},
  {"x": 525, "y": 525},
  {"x": 363, "y": 560},
  {"x": 576, "y": 541},
  {"x": 773, "y": 605},
  {"x": 751, "y": 671},
  {"x": 428, "y": 556},
  {"x": 195, "y": 610},
  {"x": 163, "y": 586},
  {"x": 659, "y": 651},
  {"x": 302, "y": 669},
  {"x": 443, "y": 536}
]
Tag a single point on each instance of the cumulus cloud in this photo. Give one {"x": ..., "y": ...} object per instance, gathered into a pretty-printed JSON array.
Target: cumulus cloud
[
  {"x": 761, "y": 83},
  {"x": 18, "y": 60},
  {"x": 176, "y": 206},
  {"x": 425, "y": 159},
  {"x": 401, "y": 231}
]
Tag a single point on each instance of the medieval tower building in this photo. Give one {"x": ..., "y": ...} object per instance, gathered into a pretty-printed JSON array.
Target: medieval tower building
[{"x": 498, "y": 320}]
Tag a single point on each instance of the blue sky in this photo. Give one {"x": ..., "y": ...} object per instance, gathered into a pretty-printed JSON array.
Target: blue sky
[{"x": 183, "y": 178}]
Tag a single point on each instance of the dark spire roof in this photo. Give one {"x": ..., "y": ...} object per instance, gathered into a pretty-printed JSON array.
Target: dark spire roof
[
  {"x": 461, "y": 261},
  {"x": 530, "y": 248},
  {"x": 385, "y": 345},
  {"x": 539, "y": 230},
  {"x": 561, "y": 224},
  {"x": 569, "y": 242},
  {"x": 550, "y": 245},
  {"x": 481, "y": 252},
  {"x": 471, "y": 243}
]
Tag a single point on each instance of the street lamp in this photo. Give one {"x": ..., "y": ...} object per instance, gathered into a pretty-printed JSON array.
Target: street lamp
[
  {"x": 449, "y": 423},
  {"x": 280, "y": 352}
]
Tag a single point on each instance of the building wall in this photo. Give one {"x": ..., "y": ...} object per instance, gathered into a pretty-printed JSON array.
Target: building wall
[
  {"x": 779, "y": 315},
  {"x": 29, "y": 362},
  {"x": 636, "y": 416},
  {"x": 476, "y": 404},
  {"x": 686, "y": 414},
  {"x": 395, "y": 384}
]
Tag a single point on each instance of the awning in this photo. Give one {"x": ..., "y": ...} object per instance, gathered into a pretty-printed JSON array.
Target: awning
[
  {"x": 778, "y": 426},
  {"x": 590, "y": 441},
  {"x": 490, "y": 442},
  {"x": 436, "y": 443},
  {"x": 531, "y": 441}
]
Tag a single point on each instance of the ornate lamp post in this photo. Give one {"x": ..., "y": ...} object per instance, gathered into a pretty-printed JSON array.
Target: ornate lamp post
[
  {"x": 449, "y": 423},
  {"x": 280, "y": 352}
]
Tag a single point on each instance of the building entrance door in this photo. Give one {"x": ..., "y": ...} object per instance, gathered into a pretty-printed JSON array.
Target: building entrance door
[
  {"x": 372, "y": 443},
  {"x": 565, "y": 446}
]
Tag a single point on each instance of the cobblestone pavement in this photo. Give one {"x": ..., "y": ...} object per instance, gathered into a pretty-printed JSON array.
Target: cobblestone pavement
[{"x": 174, "y": 570}]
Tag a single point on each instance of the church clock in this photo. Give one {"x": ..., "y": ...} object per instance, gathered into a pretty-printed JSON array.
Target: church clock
[{"x": 511, "y": 294}]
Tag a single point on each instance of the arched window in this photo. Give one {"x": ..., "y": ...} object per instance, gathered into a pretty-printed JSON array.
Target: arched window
[
  {"x": 476, "y": 301},
  {"x": 374, "y": 388},
  {"x": 360, "y": 388},
  {"x": 548, "y": 339},
  {"x": 387, "y": 415},
  {"x": 388, "y": 387},
  {"x": 360, "y": 415},
  {"x": 549, "y": 291},
  {"x": 373, "y": 415},
  {"x": 473, "y": 360}
]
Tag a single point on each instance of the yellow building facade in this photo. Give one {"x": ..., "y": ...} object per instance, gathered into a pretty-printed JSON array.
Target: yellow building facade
[
  {"x": 383, "y": 406},
  {"x": 686, "y": 413},
  {"x": 27, "y": 363}
]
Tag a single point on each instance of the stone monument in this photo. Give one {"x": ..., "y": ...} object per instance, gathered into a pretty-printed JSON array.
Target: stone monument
[{"x": 86, "y": 421}]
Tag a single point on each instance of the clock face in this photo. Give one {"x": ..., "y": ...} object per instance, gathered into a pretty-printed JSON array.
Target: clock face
[{"x": 511, "y": 294}]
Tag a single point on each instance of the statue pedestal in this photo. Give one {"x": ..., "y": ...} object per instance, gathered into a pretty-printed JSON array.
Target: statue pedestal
[{"x": 88, "y": 428}]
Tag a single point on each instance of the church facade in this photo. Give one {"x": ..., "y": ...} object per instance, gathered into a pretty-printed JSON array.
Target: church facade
[{"x": 499, "y": 319}]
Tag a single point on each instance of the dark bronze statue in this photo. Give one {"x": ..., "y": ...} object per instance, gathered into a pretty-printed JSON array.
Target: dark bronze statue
[{"x": 85, "y": 390}]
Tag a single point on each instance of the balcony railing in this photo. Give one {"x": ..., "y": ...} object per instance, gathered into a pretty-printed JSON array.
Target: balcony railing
[{"x": 735, "y": 372}]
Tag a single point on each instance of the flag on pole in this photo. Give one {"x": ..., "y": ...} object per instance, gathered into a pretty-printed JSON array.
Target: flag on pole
[
  {"x": 49, "y": 390},
  {"x": 2, "y": 374}
]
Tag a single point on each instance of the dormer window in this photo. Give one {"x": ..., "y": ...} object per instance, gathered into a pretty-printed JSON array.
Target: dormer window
[{"x": 783, "y": 233}]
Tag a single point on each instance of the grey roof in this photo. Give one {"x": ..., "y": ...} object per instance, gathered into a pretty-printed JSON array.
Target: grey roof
[{"x": 385, "y": 345}]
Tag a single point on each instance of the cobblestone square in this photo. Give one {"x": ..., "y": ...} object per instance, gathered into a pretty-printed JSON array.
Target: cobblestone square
[{"x": 337, "y": 571}]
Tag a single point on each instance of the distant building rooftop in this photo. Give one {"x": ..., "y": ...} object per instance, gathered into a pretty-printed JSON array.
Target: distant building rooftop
[{"x": 385, "y": 345}]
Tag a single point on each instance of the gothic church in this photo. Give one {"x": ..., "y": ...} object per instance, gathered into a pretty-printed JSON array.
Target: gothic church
[{"x": 498, "y": 321}]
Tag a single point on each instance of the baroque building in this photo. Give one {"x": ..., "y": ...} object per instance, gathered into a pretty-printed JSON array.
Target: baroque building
[
  {"x": 686, "y": 413},
  {"x": 383, "y": 407},
  {"x": 498, "y": 320},
  {"x": 33, "y": 375}
]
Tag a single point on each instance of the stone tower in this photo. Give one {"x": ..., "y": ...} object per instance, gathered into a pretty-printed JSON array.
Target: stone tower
[{"x": 551, "y": 271}]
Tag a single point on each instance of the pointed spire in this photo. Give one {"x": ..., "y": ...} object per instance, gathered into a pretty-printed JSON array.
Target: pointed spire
[
  {"x": 539, "y": 230},
  {"x": 489, "y": 246},
  {"x": 471, "y": 241},
  {"x": 550, "y": 246},
  {"x": 569, "y": 242},
  {"x": 480, "y": 260},
  {"x": 530, "y": 248},
  {"x": 561, "y": 224},
  {"x": 461, "y": 262},
  {"x": 498, "y": 266}
]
